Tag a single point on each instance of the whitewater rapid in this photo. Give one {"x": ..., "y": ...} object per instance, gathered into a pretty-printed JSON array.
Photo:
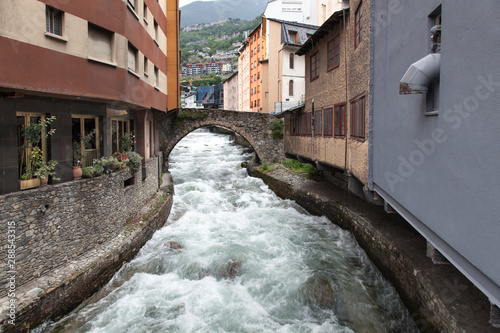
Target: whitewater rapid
[{"x": 249, "y": 262}]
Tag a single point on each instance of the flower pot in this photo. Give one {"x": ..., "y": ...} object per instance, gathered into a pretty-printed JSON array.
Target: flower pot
[
  {"x": 29, "y": 183},
  {"x": 77, "y": 172},
  {"x": 44, "y": 181}
]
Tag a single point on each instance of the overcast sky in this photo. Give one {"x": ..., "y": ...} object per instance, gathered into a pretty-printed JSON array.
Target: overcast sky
[{"x": 185, "y": 2}]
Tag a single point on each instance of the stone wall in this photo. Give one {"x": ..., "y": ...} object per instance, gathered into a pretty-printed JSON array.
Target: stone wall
[{"x": 57, "y": 223}]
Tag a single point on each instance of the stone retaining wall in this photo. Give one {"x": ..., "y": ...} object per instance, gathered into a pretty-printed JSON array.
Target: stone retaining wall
[{"x": 57, "y": 223}]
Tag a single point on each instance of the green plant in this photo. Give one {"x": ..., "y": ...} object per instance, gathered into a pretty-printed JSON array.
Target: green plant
[
  {"x": 98, "y": 169},
  {"x": 109, "y": 164},
  {"x": 32, "y": 135},
  {"x": 264, "y": 167},
  {"x": 134, "y": 161},
  {"x": 88, "y": 172},
  {"x": 127, "y": 142},
  {"x": 277, "y": 129},
  {"x": 77, "y": 147},
  {"x": 46, "y": 169},
  {"x": 296, "y": 166}
]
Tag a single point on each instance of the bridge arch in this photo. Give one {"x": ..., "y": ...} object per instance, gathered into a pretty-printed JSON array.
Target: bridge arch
[{"x": 253, "y": 127}]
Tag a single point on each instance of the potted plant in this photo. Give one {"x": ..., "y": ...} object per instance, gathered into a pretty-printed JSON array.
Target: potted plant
[
  {"x": 45, "y": 170},
  {"x": 78, "y": 151},
  {"x": 32, "y": 135}
]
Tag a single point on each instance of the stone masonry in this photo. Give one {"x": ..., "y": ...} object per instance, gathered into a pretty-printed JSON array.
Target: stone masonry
[
  {"x": 56, "y": 224},
  {"x": 253, "y": 127}
]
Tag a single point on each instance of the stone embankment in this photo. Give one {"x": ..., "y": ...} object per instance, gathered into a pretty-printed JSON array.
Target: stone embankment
[
  {"x": 439, "y": 297},
  {"x": 114, "y": 236}
]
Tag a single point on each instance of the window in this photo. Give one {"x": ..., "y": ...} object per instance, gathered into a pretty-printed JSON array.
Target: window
[
  {"x": 358, "y": 20},
  {"x": 339, "y": 120},
  {"x": 334, "y": 52},
  {"x": 157, "y": 77},
  {"x": 120, "y": 127},
  {"x": 155, "y": 25},
  {"x": 314, "y": 73},
  {"x": 83, "y": 125},
  {"x": 290, "y": 88},
  {"x": 317, "y": 122},
  {"x": 146, "y": 67},
  {"x": 133, "y": 58},
  {"x": 132, "y": 3},
  {"x": 145, "y": 13},
  {"x": 291, "y": 60},
  {"x": 258, "y": 48},
  {"x": 327, "y": 121},
  {"x": 358, "y": 118},
  {"x": 24, "y": 165},
  {"x": 258, "y": 102},
  {"x": 53, "y": 21},
  {"x": 101, "y": 43},
  {"x": 251, "y": 104},
  {"x": 294, "y": 36}
]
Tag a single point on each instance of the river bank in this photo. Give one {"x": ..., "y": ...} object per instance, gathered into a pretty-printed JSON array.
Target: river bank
[{"x": 439, "y": 297}]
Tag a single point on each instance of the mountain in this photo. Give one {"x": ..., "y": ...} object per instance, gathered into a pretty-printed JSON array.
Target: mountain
[{"x": 210, "y": 11}]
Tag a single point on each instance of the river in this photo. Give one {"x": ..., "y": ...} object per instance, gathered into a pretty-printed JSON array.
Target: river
[{"x": 249, "y": 262}]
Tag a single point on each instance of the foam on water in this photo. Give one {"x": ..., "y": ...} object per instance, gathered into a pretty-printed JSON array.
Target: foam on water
[{"x": 251, "y": 262}]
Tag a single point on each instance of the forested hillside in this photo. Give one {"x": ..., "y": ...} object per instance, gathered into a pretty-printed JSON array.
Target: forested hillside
[
  {"x": 211, "y": 11},
  {"x": 209, "y": 36}
]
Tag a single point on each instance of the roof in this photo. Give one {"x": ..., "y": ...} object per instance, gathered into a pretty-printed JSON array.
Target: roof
[
  {"x": 322, "y": 31},
  {"x": 293, "y": 110},
  {"x": 297, "y": 24}
]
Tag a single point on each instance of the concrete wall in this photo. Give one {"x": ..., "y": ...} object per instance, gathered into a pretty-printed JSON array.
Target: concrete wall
[
  {"x": 231, "y": 93},
  {"x": 441, "y": 172},
  {"x": 57, "y": 223}
]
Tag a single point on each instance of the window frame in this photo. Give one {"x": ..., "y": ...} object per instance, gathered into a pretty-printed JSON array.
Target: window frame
[
  {"x": 335, "y": 53},
  {"x": 328, "y": 121},
  {"x": 318, "y": 122},
  {"x": 291, "y": 61},
  {"x": 337, "y": 131},
  {"x": 50, "y": 21},
  {"x": 358, "y": 25},
  {"x": 290, "y": 88},
  {"x": 316, "y": 64},
  {"x": 357, "y": 125}
]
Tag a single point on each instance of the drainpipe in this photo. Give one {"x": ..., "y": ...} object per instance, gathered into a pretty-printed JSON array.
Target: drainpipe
[
  {"x": 346, "y": 101},
  {"x": 312, "y": 129},
  {"x": 420, "y": 75}
]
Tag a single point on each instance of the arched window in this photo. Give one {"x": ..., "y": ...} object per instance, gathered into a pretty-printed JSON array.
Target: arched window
[
  {"x": 291, "y": 60},
  {"x": 290, "y": 88}
]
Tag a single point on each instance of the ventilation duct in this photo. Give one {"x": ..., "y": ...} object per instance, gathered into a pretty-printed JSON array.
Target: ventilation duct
[{"x": 420, "y": 75}]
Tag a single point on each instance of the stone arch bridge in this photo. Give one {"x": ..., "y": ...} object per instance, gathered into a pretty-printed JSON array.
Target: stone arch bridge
[{"x": 253, "y": 127}]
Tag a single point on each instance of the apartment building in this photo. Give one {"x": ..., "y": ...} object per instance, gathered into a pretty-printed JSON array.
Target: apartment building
[
  {"x": 256, "y": 47},
  {"x": 331, "y": 129},
  {"x": 284, "y": 71},
  {"x": 244, "y": 77},
  {"x": 109, "y": 67}
]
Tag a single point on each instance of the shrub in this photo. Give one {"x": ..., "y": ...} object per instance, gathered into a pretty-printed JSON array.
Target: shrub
[
  {"x": 264, "y": 167},
  {"x": 87, "y": 172},
  {"x": 98, "y": 170},
  {"x": 134, "y": 161},
  {"x": 108, "y": 163},
  {"x": 277, "y": 129},
  {"x": 296, "y": 166}
]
